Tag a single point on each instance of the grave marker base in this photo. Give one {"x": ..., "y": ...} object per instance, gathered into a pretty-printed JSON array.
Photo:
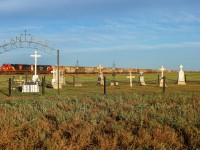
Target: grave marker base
[
  {"x": 30, "y": 87},
  {"x": 78, "y": 84},
  {"x": 142, "y": 84},
  {"x": 55, "y": 86},
  {"x": 181, "y": 83}
]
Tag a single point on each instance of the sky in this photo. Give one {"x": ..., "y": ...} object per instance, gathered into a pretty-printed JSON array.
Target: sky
[{"x": 129, "y": 33}]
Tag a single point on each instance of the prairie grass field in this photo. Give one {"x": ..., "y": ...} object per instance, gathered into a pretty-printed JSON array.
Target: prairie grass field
[{"x": 138, "y": 117}]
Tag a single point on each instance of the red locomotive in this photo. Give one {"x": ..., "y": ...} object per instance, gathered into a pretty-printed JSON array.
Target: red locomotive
[{"x": 7, "y": 67}]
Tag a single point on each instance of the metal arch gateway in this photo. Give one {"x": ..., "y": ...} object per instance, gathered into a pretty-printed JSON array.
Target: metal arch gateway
[{"x": 27, "y": 41}]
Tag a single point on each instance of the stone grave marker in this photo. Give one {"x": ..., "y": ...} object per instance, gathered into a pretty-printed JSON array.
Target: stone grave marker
[
  {"x": 141, "y": 79},
  {"x": 54, "y": 80},
  {"x": 181, "y": 76},
  {"x": 35, "y": 77},
  {"x": 19, "y": 81},
  {"x": 130, "y": 77},
  {"x": 100, "y": 75},
  {"x": 162, "y": 69},
  {"x": 114, "y": 77},
  {"x": 29, "y": 87}
]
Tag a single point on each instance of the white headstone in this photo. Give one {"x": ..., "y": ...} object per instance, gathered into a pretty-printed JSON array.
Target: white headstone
[
  {"x": 100, "y": 74},
  {"x": 131, "y": 77},
  {"x": 54, "y": 80},
  {"x": 162, "y": 69},
  {"x": 141, "y": 79},
  {"x": 181, "y": 76}
]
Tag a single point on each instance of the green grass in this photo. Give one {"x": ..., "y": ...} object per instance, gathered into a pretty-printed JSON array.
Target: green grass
[{"x": 89, "y": 85}]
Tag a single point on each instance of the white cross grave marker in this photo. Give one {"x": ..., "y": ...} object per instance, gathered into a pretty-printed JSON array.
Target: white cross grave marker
[
  {"x": 100, "y": 74},
  {"x": 54, "y": 71},
  {"x": 100, "y": 67},
  {"x": 54, "y": 80},
  {"x": 141, "y": 72},
  {"x": 35, "y": 76},
  {"x": 181, "y": 67},
  {"x": 162, "y": 69},
  {"x": 131, "y": 77}
]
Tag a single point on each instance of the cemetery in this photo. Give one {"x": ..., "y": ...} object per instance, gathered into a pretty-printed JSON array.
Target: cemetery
[
  {"x": 128, "y": 80},
  {"x": 129, "y": 110},
  {"x": 98, "y": 107}
]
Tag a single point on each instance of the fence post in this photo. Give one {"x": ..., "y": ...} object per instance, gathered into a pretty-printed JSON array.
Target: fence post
[
  {"x": 104, "y": 85},
  {"x": 26, "y": 79},
  {"x": 58, "y": 72},
  {"x": 43, "y": 85},
  {"x": 74, "y": 79},
  {"x": 158, "y": 79},
  {"x": 9, "y": 88},
  {"x": 185, "y": 78},
  {"x": 164, "y": 81}
]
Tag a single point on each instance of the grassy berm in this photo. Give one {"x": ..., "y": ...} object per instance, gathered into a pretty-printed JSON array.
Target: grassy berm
[{"x": 118, "y": 121}]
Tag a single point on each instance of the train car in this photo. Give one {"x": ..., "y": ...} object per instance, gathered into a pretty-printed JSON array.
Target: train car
[
  {"x": 89, "y": 70},
  {"x": 80, "y": 70},
  {"x": 7, "y": 67}
]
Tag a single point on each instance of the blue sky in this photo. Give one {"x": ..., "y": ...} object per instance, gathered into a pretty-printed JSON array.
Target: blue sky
[{"x": 132, "y": 33}]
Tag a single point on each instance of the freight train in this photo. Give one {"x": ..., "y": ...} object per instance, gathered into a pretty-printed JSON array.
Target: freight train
[
  {"x": 46, "y": 69},
  {"x": 24, "y": 69}
]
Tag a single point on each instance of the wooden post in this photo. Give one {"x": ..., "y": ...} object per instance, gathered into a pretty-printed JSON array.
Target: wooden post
[
  {"x": 43, "y": 85},
  {"x": 26, "y": 79},
  {"x": 58, "y": 60},
  {"x": 164, "y": 81},
  {"x": 185, "y": 78},
  {"x": 74, "y": 79},
  {"x": 104, "y": 85},
  {"x": 158, "y": 79},
  {"x": 9, "y": 87}
]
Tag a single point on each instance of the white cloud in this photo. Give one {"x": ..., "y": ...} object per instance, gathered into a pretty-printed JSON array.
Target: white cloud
[{"x": 194, "y": 46}]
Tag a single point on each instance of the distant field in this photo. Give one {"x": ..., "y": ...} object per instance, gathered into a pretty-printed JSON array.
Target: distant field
[{"x": 141, "y": 117}]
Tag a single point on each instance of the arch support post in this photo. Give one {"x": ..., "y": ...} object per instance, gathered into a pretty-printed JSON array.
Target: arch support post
[{"x": 58, "y": 64}]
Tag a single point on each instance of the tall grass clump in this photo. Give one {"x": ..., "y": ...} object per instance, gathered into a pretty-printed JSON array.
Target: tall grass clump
[{"x": 115, "y": 121}]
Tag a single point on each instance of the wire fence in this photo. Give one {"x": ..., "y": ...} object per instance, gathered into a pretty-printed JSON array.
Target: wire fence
[
  {"x": 92, "y": 81},
  {"x": 171, "y": 81}
]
